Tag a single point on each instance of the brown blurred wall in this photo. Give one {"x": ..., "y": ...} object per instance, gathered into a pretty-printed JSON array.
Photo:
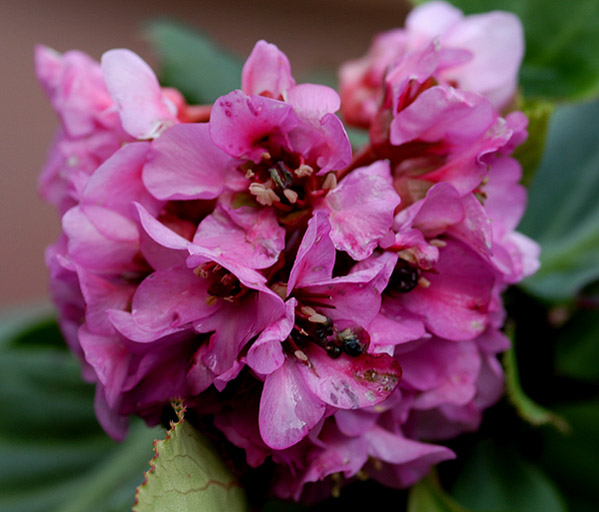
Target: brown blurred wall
[{"x": 313, "y": 33}]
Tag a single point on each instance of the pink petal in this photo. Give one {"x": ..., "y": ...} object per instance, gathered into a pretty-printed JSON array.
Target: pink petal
[
  {"x": 135, "y": 89},
  {"x": 266, "y": 353},
  {"x": 184, "y": 163},
  {"x": 313, "y": 101},
  {"x": 288, "y": 410},
  {"x": 249, "y": 235},
  {"x": 455, "y": 304},
  {"x": 239, "y": 124},
  {"x": 350, "y": 382},
  {"x": 358, "y": 230},
  {"x": 315, "y": 257},
  {"x": 496, "y": 41},
  {"x": 266, "y": 72}
]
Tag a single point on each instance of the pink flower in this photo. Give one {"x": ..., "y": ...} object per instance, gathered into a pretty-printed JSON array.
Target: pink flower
[
  {"x": 100, "y": 108},
  {"x": 330, "y": 314},
  {"x": 482, "y": 54}
]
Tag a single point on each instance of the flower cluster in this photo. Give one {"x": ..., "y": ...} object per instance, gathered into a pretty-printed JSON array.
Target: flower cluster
[{"x": 328, "y": 311}]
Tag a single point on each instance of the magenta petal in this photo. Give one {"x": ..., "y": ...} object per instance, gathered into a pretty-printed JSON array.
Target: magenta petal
[
  {"x": 111, "y": 421},
  {"x": 171, "y": 298},
  {"x": 358, "y": 230},
  {"x": 135, "y": 89},
  {"x": 90, "y": 248},
  {"x": 350, "y": 382},
  {"x": 121, "y": 176},
  {"x": 266, "y": 71},
  {"x": 443, "y": 113},
  {"x": 316, "y": 255},
  {"x": 101, "y": 294},
  {"x": 252, "y": 236},
  {"x": 239, "y": 122},
  {"x": 109, "y": 359},
  {"x": 266, "y": 353},
  {"x": 444, "y": 371},
  {"x": 288, "y": 410},
  {"x": 456, "y": 303},
  {"x": 184, "y": 163},
  {"x": 396, "y": 449}
]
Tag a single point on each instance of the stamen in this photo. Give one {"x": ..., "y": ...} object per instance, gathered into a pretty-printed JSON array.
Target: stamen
[
  {"x": 330, "y": 182},
  {"x": 301, "y": 355},
  {"x": 211, "y": 300},
  {"x": 313, "y": 315},
  {"x": 435, "y": 242},
  {"x": 424, "y": 282},
  {"x": 265, "y": 196},
  {"x": 201, "y": 272},
  {"x": 291, "y": 195},
  {"x": 303, "y": 170},
  {"x": 249, "y": 174},
  {"x": 265, "y": 156}
]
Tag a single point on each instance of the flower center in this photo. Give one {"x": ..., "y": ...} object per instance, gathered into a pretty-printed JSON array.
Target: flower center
[{"x": 223, "y": 284}]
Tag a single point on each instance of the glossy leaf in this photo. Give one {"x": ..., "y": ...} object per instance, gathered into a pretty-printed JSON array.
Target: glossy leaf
[
  {"x": 577, "y": 347},
  {"x": 562, "y": 44},
  {"x": 571, "y": 460},
  {"x": 496, "y": 478},
  {"x": 563, "y": 210},
  {"x": 55, "y": 457},
  {"x": 193, "y": 63},
  {"x": 427, "y": 496},
  {"x": 187, "y": 474}
]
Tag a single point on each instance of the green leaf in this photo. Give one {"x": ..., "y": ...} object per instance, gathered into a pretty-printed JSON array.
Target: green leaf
[
  {"x": 527, "y": 409},
  {"x": 192, "y": 63},
  {"x": 427, "y": 496},
  {"x": 577, "y": 347},
  {"x": 55, "y": 457},
  {"x": 563, "y": 210},
  {"x": 496, "y": 478},
  {"x": 571, "y": 460},
  {"x": 188, "y": 474},
  {"x": 562, "y": 44}
]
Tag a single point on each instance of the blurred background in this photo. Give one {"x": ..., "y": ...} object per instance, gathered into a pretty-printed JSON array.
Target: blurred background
[{"x": 315, "y": 34}]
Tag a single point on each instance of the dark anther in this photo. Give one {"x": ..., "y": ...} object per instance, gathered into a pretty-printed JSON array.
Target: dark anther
[
  {"x": 354, "y": 341},
  {"x": 281, "y": 175},
  {"x": 404, "y": 277}
]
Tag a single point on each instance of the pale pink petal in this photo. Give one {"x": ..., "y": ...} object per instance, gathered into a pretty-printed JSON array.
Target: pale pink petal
[
  {"x": 288, "y": 410},
  {"x": 184, "y": 163},
  {"x": 313, "y": 101},
  {"x": 496, "y": 40},
  {"x": 266, "y": 72},
  {"x": 136, "y": 92}
]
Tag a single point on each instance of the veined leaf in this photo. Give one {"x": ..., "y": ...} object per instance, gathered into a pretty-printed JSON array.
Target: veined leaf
[{"x": 188, "y": 474}]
